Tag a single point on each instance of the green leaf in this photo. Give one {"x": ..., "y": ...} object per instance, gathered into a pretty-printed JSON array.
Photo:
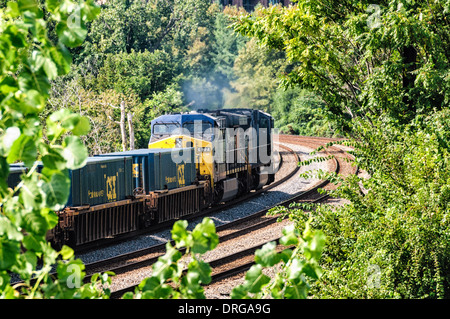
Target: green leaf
[
  {"x": 90, "y": 9},
  {"x": 204, "y": 236},
  {"x": 36, "y": 86},
  {"x": 296, "y": 292},
  {"x": 35, "y": 223},
  {"x": 8, "y": 85},
  {"x": 73, "y": 32},
  {"x": 295, "y": 269},
  {"x": 23, "y": 149},
  {"x": 52, "y": 5},
  {"x": 33, "y": 243},
  {"x": 315, "y": 246},
  {"x": 66, "y": 252},
  {"x": 203, "y": 270},
  {"x": 53, "y": 160},
  {"x": 285, "y": 255},
  {"x": 255, "y": 279},
  {"x": 153, "y": 289},
  {"x": 62, "y": 58},
  {"x": 57, "y": 191},
  {"x": 180, "y": 234},
  {"x": 71, "y": 273},
  {"x": 9, "y": 252},
  {"x": 74, "y": 152},
  {"x": 31, "y": 193},
  {"x": 267, "y": 256},
  {"x": 26, "y": 263},
  {"x": 15, "y": 34},
  {"x": 239, "y": 292},
  {"x": 35, "y": 101},
  {"x": 166, "y": 266},
  {"x": 50, "y": 69},
  {"x": 28, "y": 5},
  {"x": 8, "y": 139},
  {"x": 82, "y": 127},
  {"x": 65, "y": 120},
  {"x": 290, "y": 236},
  {"x": 10, "y": 230},
  {"x": 13, "y": 9},
  {"x": 190, "y": 286}
]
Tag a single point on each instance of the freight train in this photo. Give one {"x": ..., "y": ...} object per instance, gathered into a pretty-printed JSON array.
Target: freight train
[{"x": 193, "y": 161}]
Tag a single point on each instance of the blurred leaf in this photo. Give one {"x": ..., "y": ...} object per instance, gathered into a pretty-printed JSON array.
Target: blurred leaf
[
  {"x": 74, "y": 152},
  {"x": 267, "y": 256}
]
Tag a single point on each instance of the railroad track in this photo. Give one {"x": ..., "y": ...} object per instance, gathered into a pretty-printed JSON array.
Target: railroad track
[
  {"x": 233, "y": 263},
  {"x": 279, "y": 180},
  {"x": 223, "y": 267},
  {"x": 144, "y": 258}
]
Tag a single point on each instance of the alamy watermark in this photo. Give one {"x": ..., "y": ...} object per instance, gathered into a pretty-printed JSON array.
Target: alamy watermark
[
  {"x": 374, "y": 19},
  {"x": 373, "y": 276},
  {"x": 74, "y": 279}
]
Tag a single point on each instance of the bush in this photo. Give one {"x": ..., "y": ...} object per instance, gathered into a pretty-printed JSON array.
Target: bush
[{"x": 392, "y": 240}]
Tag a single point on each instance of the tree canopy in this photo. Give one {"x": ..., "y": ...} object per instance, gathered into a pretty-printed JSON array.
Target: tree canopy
[
  {"x": 382, "y": 72},
  {"x": 362, "y": 59}
]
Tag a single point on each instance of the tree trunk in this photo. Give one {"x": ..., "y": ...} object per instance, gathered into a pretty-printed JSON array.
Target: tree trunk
[
  {"x": 409, "y": 57},
  {"x": 131, "y": 130},
  {"x": 122, "y": 126}
]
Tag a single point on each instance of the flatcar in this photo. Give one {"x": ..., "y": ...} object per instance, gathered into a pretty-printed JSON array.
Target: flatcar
[{"x": 193, "y": 161}]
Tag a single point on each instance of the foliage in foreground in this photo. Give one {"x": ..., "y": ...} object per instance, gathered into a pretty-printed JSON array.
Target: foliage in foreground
[
  {"x": 29, "y": 59},
  {"x": 172, "y": 279}
]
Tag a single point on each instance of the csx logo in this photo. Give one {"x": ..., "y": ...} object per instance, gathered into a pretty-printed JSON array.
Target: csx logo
[
  {"x": 180, "y": 175},
  {"x": 135, "y": 170},
  {"x": 111, "y": 188}
]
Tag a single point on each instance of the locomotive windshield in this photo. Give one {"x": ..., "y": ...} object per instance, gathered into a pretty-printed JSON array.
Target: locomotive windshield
[
  {"x": 199, "y": 129},
  {"x": 165, "y": 128},
  {"x": 198, "y": 125}
]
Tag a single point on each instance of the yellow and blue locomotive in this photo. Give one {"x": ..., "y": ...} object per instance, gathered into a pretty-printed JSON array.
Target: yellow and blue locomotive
[
  {"x": 233, "y": 147},
  {"x": 193, "y": 160}
]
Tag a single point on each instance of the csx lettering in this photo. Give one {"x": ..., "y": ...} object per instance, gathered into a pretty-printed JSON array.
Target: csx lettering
[
  {"x": 111, "y": 188},
  {"x": 180, "y": 174},
  {"x": 171, "y": 179},
  {"x": 96, "y": 194}
]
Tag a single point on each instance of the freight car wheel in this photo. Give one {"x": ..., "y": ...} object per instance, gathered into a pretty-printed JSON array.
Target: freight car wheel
[
  {"x": 70, "y": 239},
  {"x": 218, "y": 192},
  {"x": 271, "y": 179}
]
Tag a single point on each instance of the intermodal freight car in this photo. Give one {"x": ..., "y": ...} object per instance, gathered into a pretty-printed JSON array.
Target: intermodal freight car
[
  {"x": 159, "y": 169},
  {"x": 194, "y": 160}
]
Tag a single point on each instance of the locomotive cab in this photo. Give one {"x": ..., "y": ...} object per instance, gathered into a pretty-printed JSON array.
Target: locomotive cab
[{"x": 233, "y": 147}]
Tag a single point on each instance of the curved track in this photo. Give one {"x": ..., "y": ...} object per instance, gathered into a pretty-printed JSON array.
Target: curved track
[
  {"x": 233, "y": 262},
  {"x": 232, "y": 233}
]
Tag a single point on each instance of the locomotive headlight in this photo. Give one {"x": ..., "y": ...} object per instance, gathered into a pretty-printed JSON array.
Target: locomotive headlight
[{"x": 178, "y": 143}]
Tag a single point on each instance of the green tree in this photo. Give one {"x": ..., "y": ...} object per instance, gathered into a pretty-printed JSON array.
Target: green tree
[
  {"x": 257, "y": 72},
  {"x": 362, "y": 59},
  {"x": 299, "y": 112},
  {"x": 225, "y": 49},
  {"x": 382, "y": 73}
]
